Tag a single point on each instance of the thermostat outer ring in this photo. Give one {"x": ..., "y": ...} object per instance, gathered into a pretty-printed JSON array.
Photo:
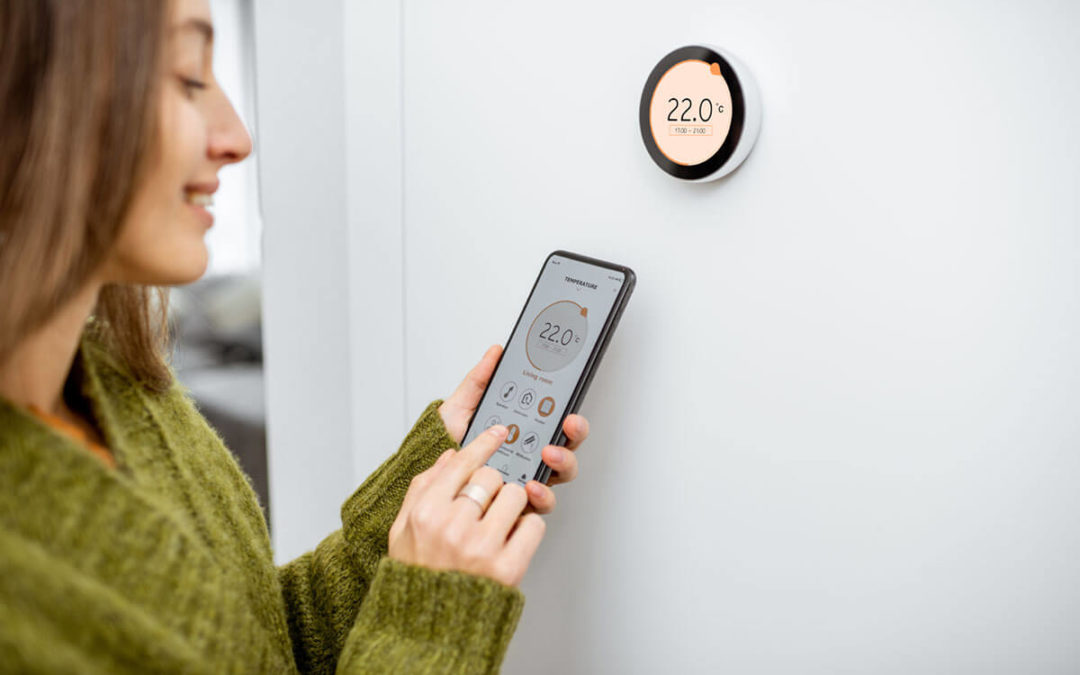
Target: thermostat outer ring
[{"x": 745, "y": 114}]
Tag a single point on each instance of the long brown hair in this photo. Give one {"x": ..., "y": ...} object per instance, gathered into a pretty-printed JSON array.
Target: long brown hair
[{"x": 79, "y": 84}]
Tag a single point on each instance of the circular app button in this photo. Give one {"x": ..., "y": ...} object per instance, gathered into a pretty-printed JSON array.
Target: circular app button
[
  {"x": 512, "y": 432},
  {"x": 527, "y": 399},
  {"x": 557, "y": 335},
  {"x": 492, "y": 421},
  {"x": 508, "y": 391},
  {"x": 530, "y": 442},
  {"x": 546, "y": 407}
]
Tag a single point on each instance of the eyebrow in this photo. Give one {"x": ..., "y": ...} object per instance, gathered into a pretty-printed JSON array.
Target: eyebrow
[{"x": 199, "y": 25}]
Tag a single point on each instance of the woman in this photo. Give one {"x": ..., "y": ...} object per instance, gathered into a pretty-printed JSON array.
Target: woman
[{"x": 129, "y": 538}]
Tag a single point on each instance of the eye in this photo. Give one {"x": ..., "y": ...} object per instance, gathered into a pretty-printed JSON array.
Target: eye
[{"x": 191, "y": 85}]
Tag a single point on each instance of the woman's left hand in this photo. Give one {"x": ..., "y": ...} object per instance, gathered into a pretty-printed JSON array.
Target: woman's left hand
[{"x": 457, "y": 410}]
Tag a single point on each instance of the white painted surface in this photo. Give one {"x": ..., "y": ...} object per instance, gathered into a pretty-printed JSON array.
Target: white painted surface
[
  {"x": 373, "y": 151},
  {"x": 300, "y": 150},
  {"x": 329, "y": 151},
  {"x": 837, "y": 430}
]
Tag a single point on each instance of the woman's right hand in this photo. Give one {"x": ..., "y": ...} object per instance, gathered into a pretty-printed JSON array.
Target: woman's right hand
[{"x": 437, "y": 529}]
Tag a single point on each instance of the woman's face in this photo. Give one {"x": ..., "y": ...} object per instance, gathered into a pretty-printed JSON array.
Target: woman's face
[{"x": 162, "y": 239}]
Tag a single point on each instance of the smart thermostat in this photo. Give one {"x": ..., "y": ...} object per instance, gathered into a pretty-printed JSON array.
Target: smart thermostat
[{"x": 700, "y": 113}]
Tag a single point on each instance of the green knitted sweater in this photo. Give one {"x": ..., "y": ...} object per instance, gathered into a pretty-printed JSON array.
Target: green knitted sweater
[{"x": 163, "y": 564}]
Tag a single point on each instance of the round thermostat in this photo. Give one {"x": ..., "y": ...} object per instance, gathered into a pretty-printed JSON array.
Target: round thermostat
[{"x": 700, "y": 113}]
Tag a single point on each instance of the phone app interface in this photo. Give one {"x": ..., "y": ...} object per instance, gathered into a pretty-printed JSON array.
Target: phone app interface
[{"x": 543, "y": 361}]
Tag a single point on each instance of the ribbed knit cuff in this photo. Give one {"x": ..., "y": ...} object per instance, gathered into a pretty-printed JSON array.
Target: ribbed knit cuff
[
  {"x": 428, "y": 437},
  {"x": 473, "y": 616}
]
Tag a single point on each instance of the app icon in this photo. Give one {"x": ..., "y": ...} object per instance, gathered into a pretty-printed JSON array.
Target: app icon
[
  {"x": 527, "y": 399},
  {"x": 508, "y": 391},
  {"x": 546, "y": 407},
  {"x": 512, "y": 433},
  {"x": 492, "y": 421},
  {"x": 530, "y": 442}
]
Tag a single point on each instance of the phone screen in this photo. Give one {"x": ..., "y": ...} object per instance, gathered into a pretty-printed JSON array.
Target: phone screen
[{"x": 543, "y": 361}]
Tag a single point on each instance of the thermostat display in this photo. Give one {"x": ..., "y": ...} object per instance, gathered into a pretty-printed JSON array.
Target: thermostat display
[{"x": 699, "y": 113}]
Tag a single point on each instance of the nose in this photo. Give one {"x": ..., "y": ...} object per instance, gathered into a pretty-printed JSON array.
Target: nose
[{"x": 229, "y": 141}]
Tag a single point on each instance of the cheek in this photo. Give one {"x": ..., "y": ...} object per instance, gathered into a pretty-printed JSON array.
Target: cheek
[
  {"x": 162, "y": 241},
  {"x": 184, "y": 137}
]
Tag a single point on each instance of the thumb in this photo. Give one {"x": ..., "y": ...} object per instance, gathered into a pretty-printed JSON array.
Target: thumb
[{"x": 467, "y": 395}]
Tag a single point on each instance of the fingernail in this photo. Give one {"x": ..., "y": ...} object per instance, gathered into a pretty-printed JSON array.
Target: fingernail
[
  {"x": 557, "y": 455},
  {"x": 498, "y": 431},
  {"x": 536, "y": 490}
]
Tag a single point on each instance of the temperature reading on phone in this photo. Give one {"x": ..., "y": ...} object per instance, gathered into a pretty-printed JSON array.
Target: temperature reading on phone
[
  {"x": 567, "y": 335},
  {"x": 557, "y": 335}
]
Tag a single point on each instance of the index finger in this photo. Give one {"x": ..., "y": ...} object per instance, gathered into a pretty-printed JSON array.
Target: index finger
[{"x": 459, "y": 468}]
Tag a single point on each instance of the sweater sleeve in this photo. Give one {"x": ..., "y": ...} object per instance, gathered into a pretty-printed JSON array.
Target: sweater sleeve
[{"x": 352, "y": 608}]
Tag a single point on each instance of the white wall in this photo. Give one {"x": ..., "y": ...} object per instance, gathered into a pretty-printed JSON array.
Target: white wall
[
  {"x": 328, "y": 93},
  {"x": 837, "y": 429},
  {"x": 301, "y": 156}
]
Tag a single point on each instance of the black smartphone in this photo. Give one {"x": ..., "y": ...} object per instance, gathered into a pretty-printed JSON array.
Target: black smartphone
[{"x": 550, "y": 359}]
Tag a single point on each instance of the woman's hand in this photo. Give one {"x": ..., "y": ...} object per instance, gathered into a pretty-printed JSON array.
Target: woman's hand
[
  {"x": 437, "y": 529},
  {"x": 457, "y": 410}
]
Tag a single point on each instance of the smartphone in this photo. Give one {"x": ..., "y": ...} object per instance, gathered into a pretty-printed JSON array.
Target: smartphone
[{"x": 550, "y": 359}]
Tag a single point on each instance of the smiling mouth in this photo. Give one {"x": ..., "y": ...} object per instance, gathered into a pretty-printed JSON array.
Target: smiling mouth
[{"x": 199, "y": 198}]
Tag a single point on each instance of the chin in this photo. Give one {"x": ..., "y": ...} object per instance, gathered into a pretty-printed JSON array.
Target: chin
[
  {"x": 180, "y": 270},
  {"x": 186, "y": 279},
  {"x": 192, "y": 274}
]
